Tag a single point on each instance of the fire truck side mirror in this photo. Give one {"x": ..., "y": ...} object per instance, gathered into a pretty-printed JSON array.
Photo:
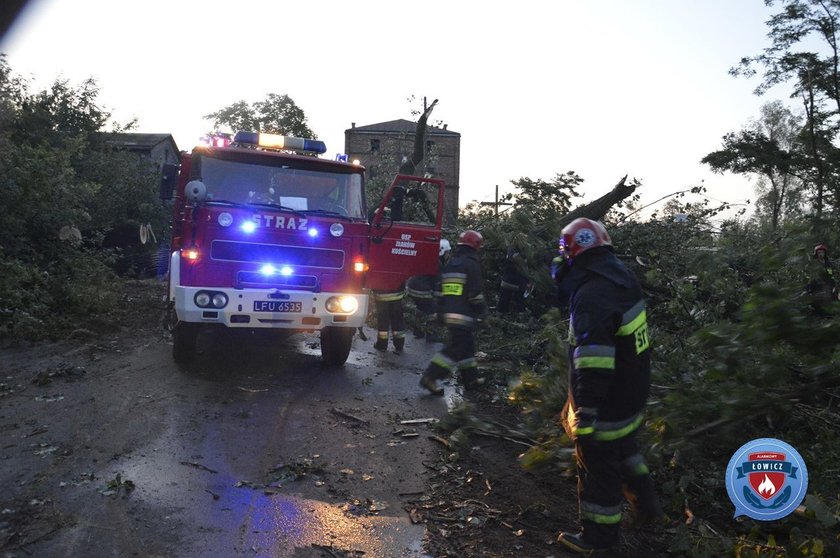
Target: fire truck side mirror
[
  {"x": 168, "y": 177},
  {"x": 195, "y": 191}
]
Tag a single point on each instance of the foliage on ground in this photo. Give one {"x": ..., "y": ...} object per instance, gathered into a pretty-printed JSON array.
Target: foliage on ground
[{"x": 742, "y": 351}]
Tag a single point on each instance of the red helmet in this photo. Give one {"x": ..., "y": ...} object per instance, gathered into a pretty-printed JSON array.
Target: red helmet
[
  {"x": 473, "y": 239},
  {"x": 820, "y": 247},
  {"x": 581, "y": 235}
]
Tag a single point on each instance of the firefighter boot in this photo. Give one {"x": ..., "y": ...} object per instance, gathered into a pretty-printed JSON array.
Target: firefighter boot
[
  {"x": 471, "y": 379},
  {"x": 646, "y": 510},
  {"x": 575, "y": 543},
  {"x": 399, "y": 344},
  {"x": 430, "y": 384},
  {"x": 381, "y": 341}
]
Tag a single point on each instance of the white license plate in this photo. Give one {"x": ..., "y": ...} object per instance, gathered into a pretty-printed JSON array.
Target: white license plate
[{"x": 277, "y": 306}]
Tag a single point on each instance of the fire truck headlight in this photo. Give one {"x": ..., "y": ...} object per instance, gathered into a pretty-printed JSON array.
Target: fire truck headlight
[
  {"x": 336, "y": 229},
  {"x": 344, "y": 304},
  {"x": 225, "y": 219},
  {"x": 220, "y": 300},
  {"x": 202, "y": 299},
  {"x": 210, "y": 299}
]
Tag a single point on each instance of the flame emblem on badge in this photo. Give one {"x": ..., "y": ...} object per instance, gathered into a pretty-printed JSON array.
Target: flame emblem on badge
[{"x": 766, "y": 488}]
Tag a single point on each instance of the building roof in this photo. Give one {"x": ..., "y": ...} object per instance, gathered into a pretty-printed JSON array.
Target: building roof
[
  {"x": 401, "y": 126},
  {"x": 138, "y": 142}
]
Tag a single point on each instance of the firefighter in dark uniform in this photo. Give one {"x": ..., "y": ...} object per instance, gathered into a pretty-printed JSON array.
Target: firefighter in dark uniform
[
  {"x": 823, "y": 284},
  {"x": 424, "y": 291},
  {"x": 609, "y": 380},
  {"x": 389, "y": 316},
  {"x": 514, "y": 283},
  {"x": 461, "y": 308}
]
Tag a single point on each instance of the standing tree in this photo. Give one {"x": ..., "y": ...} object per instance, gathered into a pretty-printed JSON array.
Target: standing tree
[
  {"x": 277, "y": 114},
  {"x": 770, "y": 149},
  {"x": 816, "y": 78}
]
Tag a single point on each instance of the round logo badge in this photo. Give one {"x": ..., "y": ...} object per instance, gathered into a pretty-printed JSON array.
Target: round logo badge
[
  {"x": 584, "y": 237},
  {"x": 766, "y": 479}
]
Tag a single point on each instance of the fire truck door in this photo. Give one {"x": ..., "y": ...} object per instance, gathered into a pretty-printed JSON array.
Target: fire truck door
[{"x": 405, "y": 232}]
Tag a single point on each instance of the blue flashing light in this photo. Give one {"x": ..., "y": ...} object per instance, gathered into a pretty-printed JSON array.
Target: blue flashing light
[
  {"x": 251, "y": 138},
  {"x": 267, "y": 269},
  {"x": 315, "y": 146},
  {"x": 341, "y": 157},
  {"x": 248, "y": 227},
  {"x": 286, "y": 270},
  {"x": 313, "y": 232}
]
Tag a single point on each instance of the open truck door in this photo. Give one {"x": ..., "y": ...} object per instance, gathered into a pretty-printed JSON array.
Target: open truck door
[{"x": 405, "y": 232}]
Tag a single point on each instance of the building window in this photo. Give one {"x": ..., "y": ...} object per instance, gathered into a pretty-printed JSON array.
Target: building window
[
  {"x": 429, "y": 146},
  {"x": 374, "y": 145}
]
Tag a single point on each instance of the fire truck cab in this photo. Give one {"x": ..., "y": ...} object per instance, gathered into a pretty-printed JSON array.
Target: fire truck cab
[{"x": 268, "y": 235}]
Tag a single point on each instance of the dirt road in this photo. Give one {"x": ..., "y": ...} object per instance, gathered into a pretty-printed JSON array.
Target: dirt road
[{"x": 109, "y": 449}]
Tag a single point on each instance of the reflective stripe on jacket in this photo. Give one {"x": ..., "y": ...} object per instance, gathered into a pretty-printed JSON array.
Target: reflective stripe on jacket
[
  {"x": 609, "y": 353},
  {"x": 461, "y": 301}
]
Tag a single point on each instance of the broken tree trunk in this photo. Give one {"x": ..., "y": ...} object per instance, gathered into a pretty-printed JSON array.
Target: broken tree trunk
[
  {"x": 596, "y": 210},
  {"x": 409, "y": 165}
]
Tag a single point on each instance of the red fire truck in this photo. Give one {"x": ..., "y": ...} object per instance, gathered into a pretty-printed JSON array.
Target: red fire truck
[{"x": 268, "y": 234}]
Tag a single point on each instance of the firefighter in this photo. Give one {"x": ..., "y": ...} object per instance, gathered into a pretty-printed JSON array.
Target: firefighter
[
  {"x": 823, "y": 284},
  {"x": 514, "y": 283},
  {"x": 389, "y": 316},
  {"x": 461, "y": 308},
  {"x": 424, "y": 291},
  {"x": 609, "y": 380}
]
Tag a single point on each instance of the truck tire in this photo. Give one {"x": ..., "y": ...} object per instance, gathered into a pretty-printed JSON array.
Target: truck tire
[
  {"x": 335, "y": 344},
  {"x": 184, "y": 337}
]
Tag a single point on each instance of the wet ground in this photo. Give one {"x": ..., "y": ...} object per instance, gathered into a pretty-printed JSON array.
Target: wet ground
[
  {"x": 107, "y": 448},
  {"x": 257, "y": 449}
]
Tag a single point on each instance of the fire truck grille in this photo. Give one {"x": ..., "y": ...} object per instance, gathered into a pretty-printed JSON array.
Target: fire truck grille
[
  {"x": 276, "y": 254},
  {"x": 258, "y": 280}
]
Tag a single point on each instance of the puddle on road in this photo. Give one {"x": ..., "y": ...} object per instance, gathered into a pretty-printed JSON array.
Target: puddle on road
[
  {"x": 241, "y": 519},
  {"x": 279, "y": 523}
]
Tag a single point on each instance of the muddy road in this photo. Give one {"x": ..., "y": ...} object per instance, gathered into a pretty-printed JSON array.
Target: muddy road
[{"x": 257, "y": 449}]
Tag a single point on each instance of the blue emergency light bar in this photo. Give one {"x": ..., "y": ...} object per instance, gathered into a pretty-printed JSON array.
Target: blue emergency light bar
[{"x": 275, "y": 141}]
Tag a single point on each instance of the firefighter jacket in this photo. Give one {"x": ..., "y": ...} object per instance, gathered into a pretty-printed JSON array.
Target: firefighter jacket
[
  {"x": 514, "y": 277},
  {"x": 823, "y": 283},
  {"x": 425, "y": 286},
  {"x": 461, "y": 302},
  {"x": 609, "y": 353}
]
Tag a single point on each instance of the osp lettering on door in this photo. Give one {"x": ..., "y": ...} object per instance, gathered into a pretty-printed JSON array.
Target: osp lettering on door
[
  {"x": 404, "y": 246},
  {"x": 280, "y": 222}
]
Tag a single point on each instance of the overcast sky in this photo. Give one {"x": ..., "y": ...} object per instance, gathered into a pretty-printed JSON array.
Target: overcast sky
[{"x": 600, "y": 87}]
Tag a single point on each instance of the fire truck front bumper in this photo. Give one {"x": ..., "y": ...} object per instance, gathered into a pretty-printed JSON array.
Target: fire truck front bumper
[{"x": 260, "y": 308}]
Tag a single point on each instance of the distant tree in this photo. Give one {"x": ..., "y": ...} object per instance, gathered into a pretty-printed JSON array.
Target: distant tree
[
  {"x": 801, "y": 25},
  {"x": 768, "y": 148},
  {"x": 277, "y": 114}
]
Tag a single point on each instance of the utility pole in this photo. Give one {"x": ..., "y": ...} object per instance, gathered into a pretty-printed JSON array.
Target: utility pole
[{"x": 496, "y": 203}]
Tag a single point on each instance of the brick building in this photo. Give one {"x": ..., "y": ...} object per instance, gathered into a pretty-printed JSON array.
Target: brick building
[{"x": 381, "y": 148}]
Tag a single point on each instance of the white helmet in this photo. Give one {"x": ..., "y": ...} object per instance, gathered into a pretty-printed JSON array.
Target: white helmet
[{"x": 444, "y": 247}]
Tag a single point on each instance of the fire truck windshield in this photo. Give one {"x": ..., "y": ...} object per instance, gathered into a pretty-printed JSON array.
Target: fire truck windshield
[{"x": 303, "y": 190}]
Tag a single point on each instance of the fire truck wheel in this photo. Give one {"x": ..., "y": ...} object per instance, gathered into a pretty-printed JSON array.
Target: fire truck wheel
[
  {"x": 184, "y": 336},
  {"x": 335, "y": 344}
]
